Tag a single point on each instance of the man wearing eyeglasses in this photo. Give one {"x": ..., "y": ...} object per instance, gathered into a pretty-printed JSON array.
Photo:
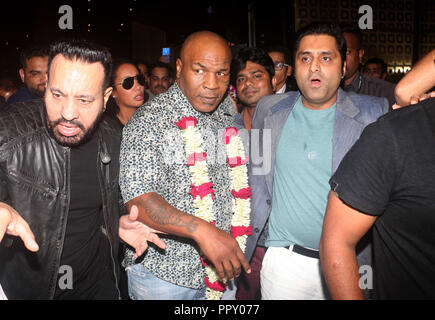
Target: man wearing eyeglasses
[{"x": 281, "y": 58}]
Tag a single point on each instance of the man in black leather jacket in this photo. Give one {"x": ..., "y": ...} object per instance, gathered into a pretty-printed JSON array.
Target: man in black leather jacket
[{"x": 59, "y": 171}]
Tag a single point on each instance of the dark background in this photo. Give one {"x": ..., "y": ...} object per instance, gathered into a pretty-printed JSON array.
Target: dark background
[{"x": 404, "y": 30}]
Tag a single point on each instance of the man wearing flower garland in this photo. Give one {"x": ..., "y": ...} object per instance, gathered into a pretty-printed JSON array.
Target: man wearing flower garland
[
  {"x": 181, "y": 198},
  {"x": 310, "y": 131}
]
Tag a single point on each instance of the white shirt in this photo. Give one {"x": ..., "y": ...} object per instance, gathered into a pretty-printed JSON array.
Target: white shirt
[{"x": 282, "y": 90}]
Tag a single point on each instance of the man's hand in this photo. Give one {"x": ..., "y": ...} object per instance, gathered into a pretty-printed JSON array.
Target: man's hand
[
  {"x": 223, "y": 252},
  {"x": 13, "y": 224},
  {"x": 417, "y": 98},
  {"x": 137, "y": 234}
]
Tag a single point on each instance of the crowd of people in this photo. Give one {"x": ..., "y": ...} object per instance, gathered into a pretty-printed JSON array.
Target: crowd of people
[{"x": 247, "y": 173}]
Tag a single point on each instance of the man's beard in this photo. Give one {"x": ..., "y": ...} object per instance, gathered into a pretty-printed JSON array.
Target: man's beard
[
  {"x": 159, "y": 89},
  {"x": 37, "y": 91},
  {"x": 74, "y": 141}
]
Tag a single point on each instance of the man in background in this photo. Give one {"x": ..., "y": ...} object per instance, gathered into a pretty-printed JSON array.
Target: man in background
[
  {"x": 354, "y": 80},
  {"x": 33, "y": 74},
  {"x": 376, "y": 67}
]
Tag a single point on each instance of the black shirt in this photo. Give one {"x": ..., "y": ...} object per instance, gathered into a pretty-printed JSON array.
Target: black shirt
[
  {"x": 390, "y": 173},
  {"x": 86, "y": 248}
]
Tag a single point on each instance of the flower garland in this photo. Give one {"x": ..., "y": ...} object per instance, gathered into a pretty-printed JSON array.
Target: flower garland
[{"x": 203, "y": 193}]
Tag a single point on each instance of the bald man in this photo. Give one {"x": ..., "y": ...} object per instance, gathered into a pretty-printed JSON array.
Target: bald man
[{"x": 154, "y": 176}]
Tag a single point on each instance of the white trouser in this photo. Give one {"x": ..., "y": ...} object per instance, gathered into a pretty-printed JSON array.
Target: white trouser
[
  {"x": 2, "y": 294},
  {"x": 286, "y": 275}
]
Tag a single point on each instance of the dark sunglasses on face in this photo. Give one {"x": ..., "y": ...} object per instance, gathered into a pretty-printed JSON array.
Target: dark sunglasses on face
[{"x": 128, "y": 83}]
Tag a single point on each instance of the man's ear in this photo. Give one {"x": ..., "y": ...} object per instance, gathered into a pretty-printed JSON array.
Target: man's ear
[
  {"x": 274, "y": 84},
  {"x": 179, "y": 66},
  {"x": 384, "y": 75},
  {"x": 361, "y": 54},
  {"x": 289, "y": 71},
  {"x": 21, "y": 72},
  {"x": 343, "y": 71},
  {"x": 107, "y": 94}
]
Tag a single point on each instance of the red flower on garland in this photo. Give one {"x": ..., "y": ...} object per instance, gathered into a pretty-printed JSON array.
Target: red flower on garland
[
  {"x": 216, "y": 286},
  {"x": 237, "y": 161},
  {"x": 228, "y": 133},
  {"x": 186, "y": 122},
  {"x": 241, "y": 231},
  {"x": 202, "y": 190},
  {"x": 196, "y": 157},
  {"x": 242, "y": 193}
]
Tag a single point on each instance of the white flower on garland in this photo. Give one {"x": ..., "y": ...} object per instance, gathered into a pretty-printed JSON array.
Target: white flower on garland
[{"x": 203, "y": 194}]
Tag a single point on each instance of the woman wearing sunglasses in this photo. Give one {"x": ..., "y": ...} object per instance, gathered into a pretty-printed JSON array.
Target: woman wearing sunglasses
[{"x": 128, "y": 91}]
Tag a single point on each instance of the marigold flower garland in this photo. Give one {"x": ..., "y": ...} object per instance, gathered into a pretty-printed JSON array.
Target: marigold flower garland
[{"x": 203, "y": 193}]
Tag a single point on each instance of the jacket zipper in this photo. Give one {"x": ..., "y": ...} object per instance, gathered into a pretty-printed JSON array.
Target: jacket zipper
[
  {"x": 99, "y": 165},
  {"x": 32, "y": 183},
  {"x": 66, "y": 176}
]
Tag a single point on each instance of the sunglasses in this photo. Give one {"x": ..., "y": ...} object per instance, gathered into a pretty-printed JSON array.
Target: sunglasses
[{"x": 128, "y": 83}]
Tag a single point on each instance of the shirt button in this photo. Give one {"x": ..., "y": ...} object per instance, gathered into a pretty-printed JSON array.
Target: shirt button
[
  {"x": 268, "y": 202},
  {"x": 256, "y": 230}
]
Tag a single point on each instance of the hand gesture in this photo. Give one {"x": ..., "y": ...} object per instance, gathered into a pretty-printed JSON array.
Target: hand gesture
[
  {"x": 137, "y": 234},
  {"x": 13, "y": 224}
]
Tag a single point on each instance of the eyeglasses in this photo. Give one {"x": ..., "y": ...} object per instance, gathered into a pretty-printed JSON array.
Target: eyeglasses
[
  {"x": 280, "y": 65},
  {"x": 128, "y": 83}
]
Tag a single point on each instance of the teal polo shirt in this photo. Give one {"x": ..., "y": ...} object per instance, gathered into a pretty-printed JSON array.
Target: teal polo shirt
[{"x": 303, "y": 167}]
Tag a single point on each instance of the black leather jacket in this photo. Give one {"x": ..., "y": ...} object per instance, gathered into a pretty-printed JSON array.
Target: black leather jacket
[{"x": 35, "y": 181}]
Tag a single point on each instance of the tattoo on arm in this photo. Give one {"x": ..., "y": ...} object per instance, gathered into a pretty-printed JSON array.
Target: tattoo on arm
[{"x": 162, "y": 213}]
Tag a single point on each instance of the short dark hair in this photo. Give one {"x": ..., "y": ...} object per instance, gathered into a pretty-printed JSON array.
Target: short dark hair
[
  {"x": 31, "y": 52},
  {"x": 138, "y": 62},
  {"x": 284, "y": 50},
  {"x": 377, "y": 61},
  {"x": 84, "y": 51},
  {"x": 255, "y": 55},
  {"x": 346, "y": 28},
  {"x": 160, "y": 64},
  {"x": 330, "y": 29}
]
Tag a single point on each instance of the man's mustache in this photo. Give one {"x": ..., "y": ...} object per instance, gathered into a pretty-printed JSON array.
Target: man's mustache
[{"x": 63, "y": 120}]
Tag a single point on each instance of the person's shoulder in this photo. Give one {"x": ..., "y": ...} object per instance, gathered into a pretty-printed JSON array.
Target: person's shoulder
[
  {"x": 111, "y": 126},
  {"x": 152, "y": 118},
  {"x": 368, "y": 103},
  {"x": 423, "y": 110},
  {"x": 268, "y": 102},
  {"x": 273, "y": 99},
  {"x": 403, "y": 123},
  {"x": 20, "y": 119},
  {"x": 21, "y": 95},
  {"x": 379, "y": 82}
]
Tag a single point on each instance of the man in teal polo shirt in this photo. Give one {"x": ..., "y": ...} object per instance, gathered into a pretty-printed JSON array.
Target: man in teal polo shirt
[{"x": 310, "y": 131}]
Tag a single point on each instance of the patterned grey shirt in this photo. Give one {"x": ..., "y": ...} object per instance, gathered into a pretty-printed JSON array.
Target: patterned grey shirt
[{"x": 153, "y": 159}]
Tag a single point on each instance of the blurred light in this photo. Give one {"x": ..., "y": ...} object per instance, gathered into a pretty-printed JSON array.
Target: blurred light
[{"x": 7, "y": 43}]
